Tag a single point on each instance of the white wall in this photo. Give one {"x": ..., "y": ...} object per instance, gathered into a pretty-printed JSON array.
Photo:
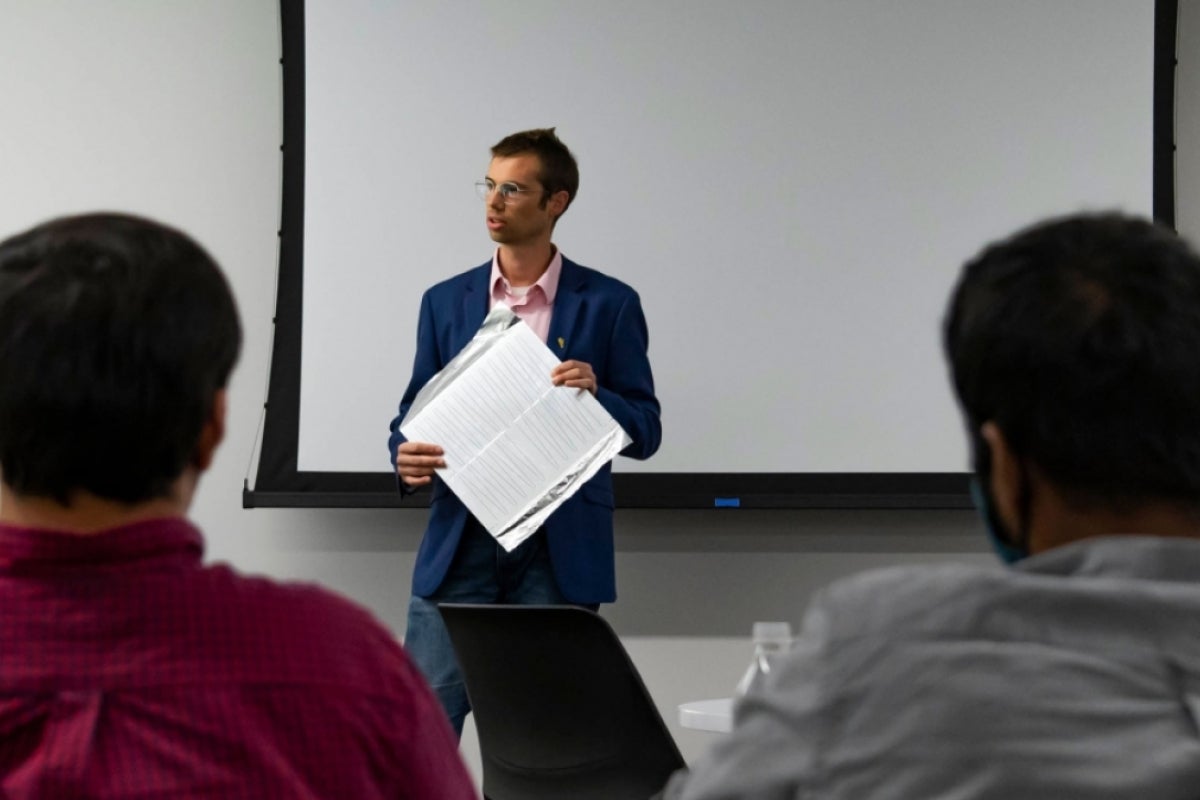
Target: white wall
[
  {"x": 1187, "y": 122},
  {"x": 173, "y": 110}
]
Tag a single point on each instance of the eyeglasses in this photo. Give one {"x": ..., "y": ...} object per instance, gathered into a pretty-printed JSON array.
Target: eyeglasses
[{"x": 508, "y": 191}]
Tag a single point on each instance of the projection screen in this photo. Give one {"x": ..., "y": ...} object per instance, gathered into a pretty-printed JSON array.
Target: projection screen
[{"x": 790, "y": 185}]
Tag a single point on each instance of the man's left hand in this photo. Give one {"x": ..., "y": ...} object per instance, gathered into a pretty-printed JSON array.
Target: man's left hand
[{"x": 576, "y": 374}]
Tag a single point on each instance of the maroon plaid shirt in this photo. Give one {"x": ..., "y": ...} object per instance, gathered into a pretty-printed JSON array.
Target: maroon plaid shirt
[{"x": 128, "y": 669}]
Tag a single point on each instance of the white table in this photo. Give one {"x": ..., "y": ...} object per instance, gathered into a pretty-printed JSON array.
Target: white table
[{"x": 708, "y": 715}]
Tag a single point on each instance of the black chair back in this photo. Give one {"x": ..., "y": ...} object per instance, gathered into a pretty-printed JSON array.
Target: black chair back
[{"x": 560, "y": 710}]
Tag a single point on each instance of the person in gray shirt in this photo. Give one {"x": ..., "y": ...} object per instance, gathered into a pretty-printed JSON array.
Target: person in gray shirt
[{"x": 1074, "y": 351}]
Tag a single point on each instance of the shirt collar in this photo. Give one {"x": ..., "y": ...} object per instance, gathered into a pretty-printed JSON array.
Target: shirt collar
[
  {"x": 28, "y": 550},
  {"x": 548, "y": 282},
  {"x": 1172, "y": 559}
]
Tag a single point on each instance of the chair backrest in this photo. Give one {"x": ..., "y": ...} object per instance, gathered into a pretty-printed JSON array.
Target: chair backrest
[{"x": 560, "y": 710}]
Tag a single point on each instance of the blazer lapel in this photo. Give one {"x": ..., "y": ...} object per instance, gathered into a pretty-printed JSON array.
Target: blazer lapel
[
  {"x": 475, "y": 304},
  {"x": 567, "y": 303}
]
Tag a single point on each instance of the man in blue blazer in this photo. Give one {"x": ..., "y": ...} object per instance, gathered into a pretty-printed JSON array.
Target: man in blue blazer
[{"x": 594, "y": 324}]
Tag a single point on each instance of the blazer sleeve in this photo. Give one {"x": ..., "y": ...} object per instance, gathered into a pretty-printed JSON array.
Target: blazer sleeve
[
  {"x": 426, "y": 363},
  {"x": 627, "y": 390}
]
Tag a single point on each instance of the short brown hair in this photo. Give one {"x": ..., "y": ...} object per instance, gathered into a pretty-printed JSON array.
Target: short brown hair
[{"x": 559, "y": 171}]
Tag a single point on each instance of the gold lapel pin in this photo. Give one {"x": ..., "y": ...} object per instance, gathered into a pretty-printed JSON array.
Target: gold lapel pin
[{"x": 561, "y": 343}]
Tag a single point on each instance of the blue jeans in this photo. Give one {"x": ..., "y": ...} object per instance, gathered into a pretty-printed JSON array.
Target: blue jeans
[{"x": 482, "y": 572}]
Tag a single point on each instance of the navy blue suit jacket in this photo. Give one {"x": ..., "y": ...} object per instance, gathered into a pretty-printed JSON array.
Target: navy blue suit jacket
[{"x": 596, "y": 319}]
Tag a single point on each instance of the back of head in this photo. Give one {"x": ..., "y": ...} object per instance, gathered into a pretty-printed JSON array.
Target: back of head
[
  {"x": 560, "y": 173},
  {"x": 1080, "y": 339},
  {"x": 116, "y": 332}
]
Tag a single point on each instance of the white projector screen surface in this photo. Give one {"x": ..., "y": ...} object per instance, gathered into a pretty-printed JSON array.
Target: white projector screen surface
[{"x": 791, "y": 187}]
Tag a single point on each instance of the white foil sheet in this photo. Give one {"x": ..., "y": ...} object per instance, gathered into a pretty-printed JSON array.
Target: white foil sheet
[{"x": 516, "y": 446}]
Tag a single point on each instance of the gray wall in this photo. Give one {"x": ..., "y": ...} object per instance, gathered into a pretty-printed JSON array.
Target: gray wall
[{"x": 173, "y": 110}]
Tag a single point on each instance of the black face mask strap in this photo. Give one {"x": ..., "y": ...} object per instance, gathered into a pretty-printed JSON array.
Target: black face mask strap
[
  {"x": 1024, "y": 509},
  {"x": 982, "y": 462}
]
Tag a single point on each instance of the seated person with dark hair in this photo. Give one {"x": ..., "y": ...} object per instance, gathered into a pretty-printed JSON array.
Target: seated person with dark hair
[
  {"x": 1074, "y": 349},
  {"x": 127, "y": 668}
]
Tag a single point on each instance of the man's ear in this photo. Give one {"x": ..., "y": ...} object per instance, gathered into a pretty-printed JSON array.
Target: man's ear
[
  {"x": 1005, "y": 476},
  {"x": 211, "y": 434},
  {"x": 558, "y": 203}
]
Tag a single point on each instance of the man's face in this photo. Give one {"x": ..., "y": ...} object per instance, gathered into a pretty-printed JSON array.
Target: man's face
[{"x": 523, "y": 218}]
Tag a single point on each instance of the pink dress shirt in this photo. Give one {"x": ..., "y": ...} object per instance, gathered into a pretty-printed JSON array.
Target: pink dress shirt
[{"x": 533, "y": 304}]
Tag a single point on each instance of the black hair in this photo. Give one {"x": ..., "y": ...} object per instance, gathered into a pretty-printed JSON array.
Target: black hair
[
  {"x": 1079, "y": 338},
  {"x": 116, "y": 332}
]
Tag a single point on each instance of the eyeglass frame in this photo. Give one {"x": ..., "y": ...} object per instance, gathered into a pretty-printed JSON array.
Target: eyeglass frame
[{"x": 508, "y": 190}]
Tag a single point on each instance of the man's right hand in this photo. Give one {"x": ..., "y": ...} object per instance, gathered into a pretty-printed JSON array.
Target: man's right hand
[{"x": 416, "y": 461}]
